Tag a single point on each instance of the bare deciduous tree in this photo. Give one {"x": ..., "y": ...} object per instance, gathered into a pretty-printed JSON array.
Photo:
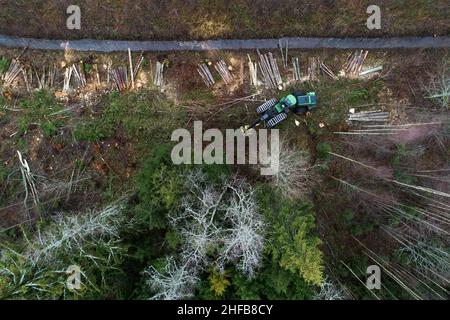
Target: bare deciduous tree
[
  {"x": 196, "y": 222},
  {"x": 244, "y": 241},
  {"x": 71, "y": 233},
  {"x": 42, "y": 265},
  {"x": 295, "y": 176},
  {"x": 176, "y": 282},
  {"x": 330, "y": 291},
  {"x": 218, "y": 224}
]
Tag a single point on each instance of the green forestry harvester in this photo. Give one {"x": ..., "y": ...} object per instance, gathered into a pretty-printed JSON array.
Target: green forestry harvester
[{"x": 273, "y": 112}]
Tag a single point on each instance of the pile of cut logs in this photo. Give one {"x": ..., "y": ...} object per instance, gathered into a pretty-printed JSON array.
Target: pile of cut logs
[
  {"x": 284, "y": 53},
  {"x": 269, "y": 70},
  {"x": 206, "y": 75},
  {"x": 222, "y": 69},
  {"x": 124, "y": 77},
  {"x": 296, "y": 68},
  {"x": 119, "y": 76},
  {"x": 158, "y": 79},
  {"x": 76, "y": 72},
  {"x": 326, "y": 70},
  {"x": 313, "y": 68},
  {"x": 13, "y": 71},
  {"x": 253, "y": 71},
  {"x": 74, "y": 76},
  {"x": 354, "y": 63},
  {"x": 369, "y": 116}
]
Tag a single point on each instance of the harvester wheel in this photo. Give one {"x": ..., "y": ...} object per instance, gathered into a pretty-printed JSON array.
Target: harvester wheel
[
  {"x": 299, "y": 110},
  {"x": 266, "y": 106},
  {"x": 299, "y": 93},
  {"x": 276, "y": 120}
]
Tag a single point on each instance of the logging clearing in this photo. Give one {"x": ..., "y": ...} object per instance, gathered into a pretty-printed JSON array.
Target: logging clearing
[{"x": 86, "y": 144}]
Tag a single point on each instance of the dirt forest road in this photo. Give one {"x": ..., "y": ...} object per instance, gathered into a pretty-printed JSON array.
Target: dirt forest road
[{"x": 232, "y": 44}]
